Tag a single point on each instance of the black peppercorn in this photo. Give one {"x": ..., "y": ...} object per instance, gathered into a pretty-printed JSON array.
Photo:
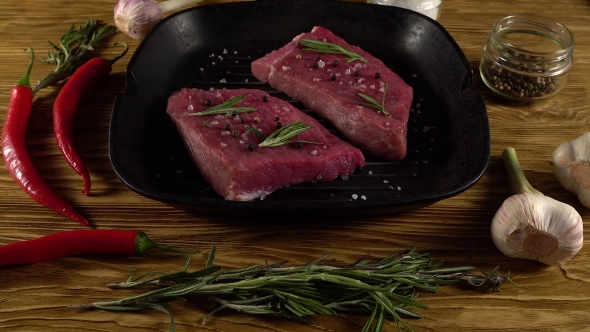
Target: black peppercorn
[
  {"x": 335, "y": 63},
  {"x": 377, "y": 75},
  {"x": 299, "y": 145},
  {"x": 357, "y": 74},
  {"x": 279, "y": 124},
  {"x": 250, "y": 147},
  {"x": 276, "y": 118},
  {"x": 242, "y": 120},
  {"x": 318, "y": 58},
  {"x": 227, "y": 127},
  {"x": 265, "y": 99},
  {"x": 333, "y": 77},
  {"x": 316, "y": 65},
  {"x": 208, "y": 102}
]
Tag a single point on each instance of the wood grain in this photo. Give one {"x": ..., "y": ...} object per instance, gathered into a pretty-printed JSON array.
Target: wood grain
[{"x": 35, "y": 297}]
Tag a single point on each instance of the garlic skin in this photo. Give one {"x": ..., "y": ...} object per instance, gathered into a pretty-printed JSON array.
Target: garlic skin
[
  {"x": 136, "y": 18},
  {"x": 571, "y": 166},
  {"x": 537, "y": 227}
]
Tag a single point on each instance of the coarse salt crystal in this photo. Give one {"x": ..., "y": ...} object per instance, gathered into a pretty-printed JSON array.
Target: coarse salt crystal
[
  {"x": 320, "y": 176},
  {"x": 321, "y": 64},
  {"x": 190, "y": 107},
  {"x": 426, "y": 129},
  {"x": 355, "y": 196},
  {"x": 385, "y": 181},
  {"x": 344, "y": 177},
  {"x": 214, "y": 122},
  {"x": 286, "y": 68},
  {"x": 314, "y": 152},
  {"x": 222, "y": 80},
  {"x": 223, "y": 145},
  {"x": 364, "y": 198},
  {"x": 317, "y": 79}
]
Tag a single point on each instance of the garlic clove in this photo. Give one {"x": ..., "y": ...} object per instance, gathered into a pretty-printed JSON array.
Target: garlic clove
[
  {"x": 136, "y": 18},
  {"x": 571, "y": 166},
  {"x": 537, "y": 227}
]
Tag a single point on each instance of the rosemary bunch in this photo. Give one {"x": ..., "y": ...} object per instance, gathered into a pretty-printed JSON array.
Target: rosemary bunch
[
  {"x": 384, "y": 289},
  {"x": 72, "y": 51}
]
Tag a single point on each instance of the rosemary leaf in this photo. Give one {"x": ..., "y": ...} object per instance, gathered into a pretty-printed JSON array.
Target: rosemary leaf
[
  {"x": 227, "y": 107},
  {"x": 331, "y": 48},
  {"x": 282, "y": 135},
  {"x": 380, "y": 106}
]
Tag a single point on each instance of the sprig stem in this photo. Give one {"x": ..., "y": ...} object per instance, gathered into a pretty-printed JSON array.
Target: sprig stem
[{"x": 386, "y": 288}]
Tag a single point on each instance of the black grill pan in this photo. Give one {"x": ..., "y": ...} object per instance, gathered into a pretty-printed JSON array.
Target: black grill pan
[{"x": 212, "y": 47}]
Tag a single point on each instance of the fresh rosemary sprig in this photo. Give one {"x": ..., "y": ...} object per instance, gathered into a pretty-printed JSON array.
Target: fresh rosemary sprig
[
  {"x": 227, "y": 107},
  {"x": 282, "y": 135},
  {"x": 72, "y": 51},
  {"x": 380, "y": 106},
  {"x": 331, "y": 48},
  {"x": 384, "y": 289}
]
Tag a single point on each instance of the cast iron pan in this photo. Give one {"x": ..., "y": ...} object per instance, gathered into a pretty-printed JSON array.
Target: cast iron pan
[{"x": 212, "y": 47}]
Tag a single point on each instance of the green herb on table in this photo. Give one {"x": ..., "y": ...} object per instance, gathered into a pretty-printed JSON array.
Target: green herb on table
[
  {"x": 227, "y": 107},
  {"x": 331, "y": 48},
  {"x": 282, "y": 135},
  {"x": 72, "y": 50},
  {"x": 380, "y": 106},
  {"x": 383, "y": 289}
]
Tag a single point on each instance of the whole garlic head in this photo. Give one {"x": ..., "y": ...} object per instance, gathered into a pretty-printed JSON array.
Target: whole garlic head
[
  {"x": 571, "y": 166},
  {"x": 533, "y": 226}
]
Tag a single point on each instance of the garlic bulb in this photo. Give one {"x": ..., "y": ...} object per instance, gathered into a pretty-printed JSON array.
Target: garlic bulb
[
  {"x": 571, "y": 166},
  {"x": 533, "y": 226},
  {"x": 136, "y": 18}
]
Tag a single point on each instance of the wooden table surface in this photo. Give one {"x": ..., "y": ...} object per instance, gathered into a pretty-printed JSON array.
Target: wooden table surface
[{"x": 34, "y": 297}]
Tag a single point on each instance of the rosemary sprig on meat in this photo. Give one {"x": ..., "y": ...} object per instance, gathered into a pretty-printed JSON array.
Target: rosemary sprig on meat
[
  {"x": 383, "y": 289},
  {"x": 282, "y": 135},
  {"x": 331, "y": 48},
  {"x": 227, "y": 107},
  {"x": 371, "y": 102},
  {"x": 72, "y": 50}
]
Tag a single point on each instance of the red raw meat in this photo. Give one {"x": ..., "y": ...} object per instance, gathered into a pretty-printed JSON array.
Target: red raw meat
[
  {"x": 233, "y": 163},
  {"x": 332, "y": 89}
]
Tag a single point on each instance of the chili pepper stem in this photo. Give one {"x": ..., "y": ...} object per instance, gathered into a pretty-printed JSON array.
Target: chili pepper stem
[
  {"x": 25, "y": 80},
  {"x": 143, "y": 243},
  {"x": 115, "y": 59}
]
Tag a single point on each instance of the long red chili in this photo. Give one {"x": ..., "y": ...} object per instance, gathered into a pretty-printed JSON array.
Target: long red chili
[
  {"x": 80, "y": 242},
  {"x": 82, "y": 82},
  {"x": 15, "y": 153}
]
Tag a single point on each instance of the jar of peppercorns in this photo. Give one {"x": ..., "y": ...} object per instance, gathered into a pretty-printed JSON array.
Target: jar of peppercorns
[{"x": 527, "y": 57}]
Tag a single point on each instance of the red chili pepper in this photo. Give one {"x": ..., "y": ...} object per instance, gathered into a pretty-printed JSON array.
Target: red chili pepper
[
  {"x": 83, "y": 81},
  {"x": 15, "y": 153},
  {"x": 79, "y": 242}
]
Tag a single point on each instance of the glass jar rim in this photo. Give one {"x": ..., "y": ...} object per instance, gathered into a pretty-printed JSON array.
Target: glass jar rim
[{"x": 560, "y": 33}]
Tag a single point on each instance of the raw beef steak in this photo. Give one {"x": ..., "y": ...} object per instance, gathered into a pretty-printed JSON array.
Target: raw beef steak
[
  {"x": 228, "y": 155},
  {"x": 331, "y": 85}
]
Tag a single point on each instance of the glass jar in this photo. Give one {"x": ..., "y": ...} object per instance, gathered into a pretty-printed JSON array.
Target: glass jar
[
  {"x": 527, "y": 57},
  {"x": 430, "y": 8}
]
